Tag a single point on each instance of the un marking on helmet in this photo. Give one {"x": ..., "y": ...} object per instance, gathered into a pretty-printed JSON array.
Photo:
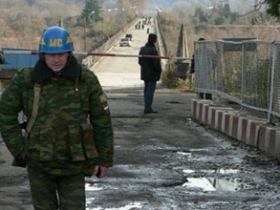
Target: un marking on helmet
[
  {"x": 56, "y": 42},
  {"x": 69, "y": 40}
]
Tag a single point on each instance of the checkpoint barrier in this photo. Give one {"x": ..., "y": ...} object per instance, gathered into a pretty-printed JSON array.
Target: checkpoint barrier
[
  {"x": 8, "y": 73},
  {"x": 35, "y": 52}
]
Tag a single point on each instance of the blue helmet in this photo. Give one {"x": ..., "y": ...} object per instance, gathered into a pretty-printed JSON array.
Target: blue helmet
[{"x": 55, "y": 40}]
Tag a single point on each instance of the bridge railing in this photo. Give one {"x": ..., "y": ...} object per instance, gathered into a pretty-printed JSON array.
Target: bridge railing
[
  {"x": 245, "y": 72},
  {"x": 106, "y": 45}
]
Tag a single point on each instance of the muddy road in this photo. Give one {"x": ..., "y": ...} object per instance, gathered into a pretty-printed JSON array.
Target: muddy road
[
  {"x": 167, "y": 161},
  {"x": 162, "y": 161}
]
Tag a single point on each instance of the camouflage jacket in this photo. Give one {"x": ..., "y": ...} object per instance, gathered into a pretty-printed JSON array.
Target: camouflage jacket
[{"x": 73, "y": 129}]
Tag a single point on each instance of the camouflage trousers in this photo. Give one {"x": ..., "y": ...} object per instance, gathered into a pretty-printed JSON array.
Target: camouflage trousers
[{"x": 51, "y": 192}]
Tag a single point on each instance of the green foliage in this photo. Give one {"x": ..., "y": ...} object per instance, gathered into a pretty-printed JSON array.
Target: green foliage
[
  {"x": 221, "y": 14},
  {"x": 199, "y": 14},
  {"x": 219, "y": 21},
  {"x": 169, "y": 77},
  {"x": 273, "y": 8},
  {"x": 226, "y": 12},
  {"x": 91, "y": 11},
  {"x": 234, "y": 17}
]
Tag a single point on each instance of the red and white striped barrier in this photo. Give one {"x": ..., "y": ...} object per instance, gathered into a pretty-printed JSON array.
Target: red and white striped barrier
[
  {"x": 247, "y": 129},
  {"x": 35, "y": 52},
  {"x": 269, "y": 140}
]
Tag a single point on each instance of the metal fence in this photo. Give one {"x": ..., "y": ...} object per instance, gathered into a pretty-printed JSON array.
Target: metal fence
[{"x": 245, "y": 72}]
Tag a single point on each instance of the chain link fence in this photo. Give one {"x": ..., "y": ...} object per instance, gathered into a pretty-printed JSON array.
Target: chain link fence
[{"x": 245, "y": 72}]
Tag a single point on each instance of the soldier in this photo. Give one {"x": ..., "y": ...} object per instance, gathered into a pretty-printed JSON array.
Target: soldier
[{"x": 71, "y": 135}]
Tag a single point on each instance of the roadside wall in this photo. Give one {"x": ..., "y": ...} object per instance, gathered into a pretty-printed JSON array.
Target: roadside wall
[{"x": 248, "y": 129}]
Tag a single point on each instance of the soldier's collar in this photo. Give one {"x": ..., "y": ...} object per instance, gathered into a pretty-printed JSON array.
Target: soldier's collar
[{"x": 41, "y": 72}]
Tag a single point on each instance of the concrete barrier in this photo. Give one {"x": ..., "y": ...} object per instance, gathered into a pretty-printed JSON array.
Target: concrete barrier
[{"x": 250, "y": 130}]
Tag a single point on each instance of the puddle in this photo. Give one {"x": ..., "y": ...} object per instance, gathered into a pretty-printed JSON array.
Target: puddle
[
  {"x": 229, "y": 171},
  {"x": 92, "y": 187},
  {"x": 174, "y": 102},
  {"x": 206, "y": 183},
  {"x": 212, "y": 171},
  {"x": 215, "y": 184},
  {"x": 185, "y": 154},
  {"x": 135, "y": 205},
  {"x": 200, "y": 183}
]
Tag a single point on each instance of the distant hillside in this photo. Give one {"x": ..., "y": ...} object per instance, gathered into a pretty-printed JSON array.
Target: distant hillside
[
  {"x": 241, "y": 6},
  {"x": 22, "y": 21}
]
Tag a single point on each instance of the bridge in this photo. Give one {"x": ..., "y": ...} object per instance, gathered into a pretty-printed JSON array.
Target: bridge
[{"x": 166, "y": 160}]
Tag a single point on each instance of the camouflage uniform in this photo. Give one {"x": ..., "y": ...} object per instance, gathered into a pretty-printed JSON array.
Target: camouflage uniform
[{"x": 72, "y": 132}]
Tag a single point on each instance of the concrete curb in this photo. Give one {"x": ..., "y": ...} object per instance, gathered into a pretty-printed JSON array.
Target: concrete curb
[{"x": 247, "y": 129}]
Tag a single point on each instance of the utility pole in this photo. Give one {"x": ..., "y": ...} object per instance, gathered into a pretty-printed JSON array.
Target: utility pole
[
  {"x": 85, "y": 35},
  {"x": 60, "y": 23}
]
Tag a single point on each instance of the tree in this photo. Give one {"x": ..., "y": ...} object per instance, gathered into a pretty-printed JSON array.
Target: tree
[
  {"x": 219, "y": 20},
  {"x": 234, "y": 17},
  {"x": 91, "y": 11},
  {"x": 273, "y": 8},
  {"x": 199, "y": 13},
  {"x": 226, "y": 11}
]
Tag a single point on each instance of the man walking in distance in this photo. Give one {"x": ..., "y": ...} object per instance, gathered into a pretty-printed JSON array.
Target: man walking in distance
[
  {"x": 150, "y": 72},
  {"x": 71, "y": 135}
]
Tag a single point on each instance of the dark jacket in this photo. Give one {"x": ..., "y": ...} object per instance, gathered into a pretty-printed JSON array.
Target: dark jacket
[
  {"x": 192, "y": 70},
  {"x": 150, "y": 67}
]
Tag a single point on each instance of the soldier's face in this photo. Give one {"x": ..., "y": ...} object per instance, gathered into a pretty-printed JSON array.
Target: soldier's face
[{"x": 56, "y": 62}]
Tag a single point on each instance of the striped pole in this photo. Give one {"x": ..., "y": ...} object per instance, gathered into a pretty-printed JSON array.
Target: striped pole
[{"x": 35, "y": 52}]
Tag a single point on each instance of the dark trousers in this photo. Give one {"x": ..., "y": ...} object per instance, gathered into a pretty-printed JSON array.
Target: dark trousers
[
  {"x": 51, "y": 192},
  {"x": 149, "y": 90}
]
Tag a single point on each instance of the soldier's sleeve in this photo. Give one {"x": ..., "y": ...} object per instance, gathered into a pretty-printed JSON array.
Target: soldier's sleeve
[
  {"x": 100, "y": 119},
  {"x": 10, "y": 106}
]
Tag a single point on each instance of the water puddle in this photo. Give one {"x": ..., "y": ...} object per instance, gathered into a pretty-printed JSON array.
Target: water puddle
[
  {"x": 208, "y": 183},
  {"x": 188, "y": 154},
  {"x": 199, "y": 183},
  {"x": 135, "y": 205},
  {"x": 216, "y": 184},
  {"x": 214, "y": 171},
  {"x": 92, "y": 187}
]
